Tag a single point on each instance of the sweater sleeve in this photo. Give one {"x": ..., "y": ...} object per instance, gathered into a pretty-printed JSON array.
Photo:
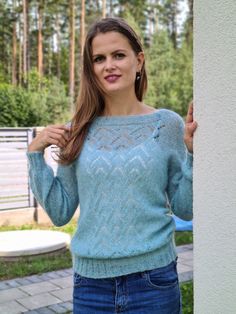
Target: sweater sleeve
[
  {"x": 58, "y": 195},
  {"x": 180, "y": 165}
]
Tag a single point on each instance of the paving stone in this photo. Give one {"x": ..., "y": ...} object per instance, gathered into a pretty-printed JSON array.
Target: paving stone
[
  {"x": 63, "y": 294},
  {"x": 11, "y": 294},
  {"x": 23, "y": 281},
  {"x": 31, "y": 312},
  {"x": 35, "y": 279},
  {"x": 62, "y": 273},
  {"x": 44, "y": 277},
  {"x": 3, "y": 285},
  {"x": 70, "y": 271},
  {"x": 180, "y": 249},
  {"x": 67, "y": 305},
  {"x": 58, "y": 274},
  {"x": 12, "y": 283},
  {"x": 53, "y": 275},
  {"x": 37, "y": 288},
  {"x": 188, "y": 263},
  {"x": 189, "y": 246},
  {"x": 38, "y": 301},
  {"x": 184, "y": 248},
  {"x": 186, "y": 276},
  {"x": 57, "y": 308},
  {"x": 181, "y": 268},
  {"x": 186, "y": 255},
  {"x": 11, "y": 307},
  {"x": 65, "y": 273},
  {"x": 45, "y": 310},
  {"x": 64, "y": 282}
]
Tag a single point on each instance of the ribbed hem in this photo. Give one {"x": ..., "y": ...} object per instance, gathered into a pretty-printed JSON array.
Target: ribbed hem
[{"x": 106, "y": 268}]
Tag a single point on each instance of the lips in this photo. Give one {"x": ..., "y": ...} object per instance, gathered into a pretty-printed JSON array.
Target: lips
[{"x": 112, "y": 78}]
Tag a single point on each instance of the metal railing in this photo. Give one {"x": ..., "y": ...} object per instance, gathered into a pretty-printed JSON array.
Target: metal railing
[{"x": 14, "y": 181}]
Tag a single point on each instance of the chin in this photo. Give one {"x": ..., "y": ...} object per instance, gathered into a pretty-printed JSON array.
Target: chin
[
  {"x": 114, "y": 89},
  {"x": 117, "y": 89}
]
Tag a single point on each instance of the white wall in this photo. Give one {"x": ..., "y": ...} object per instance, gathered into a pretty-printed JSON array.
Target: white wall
[{"x": 215, "y": 157}]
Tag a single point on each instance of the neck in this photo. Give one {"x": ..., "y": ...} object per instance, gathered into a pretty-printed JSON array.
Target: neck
[{"x": 116, "y": 106}]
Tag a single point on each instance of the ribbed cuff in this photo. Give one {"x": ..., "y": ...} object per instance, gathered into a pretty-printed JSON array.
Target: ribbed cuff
[
  {"x": 36, "y": 160},
  {"x": 189, "y": 160},
  {"x": 187, "y": 166}
]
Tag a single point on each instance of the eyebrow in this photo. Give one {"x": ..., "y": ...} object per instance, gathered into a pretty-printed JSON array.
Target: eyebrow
[{"x": 114, "y": 52}]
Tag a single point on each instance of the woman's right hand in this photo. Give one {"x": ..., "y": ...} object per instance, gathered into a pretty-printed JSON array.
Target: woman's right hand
[{"x": 51, "y": 135}]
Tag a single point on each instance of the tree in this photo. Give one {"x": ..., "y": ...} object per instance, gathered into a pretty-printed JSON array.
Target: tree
[
  {"x": 138, "y": 9},
  {"x": 58, "y": 40},
  {"x": 54, "y": 26},
  {"x": 25, "y": 40},
  {"x": 104, "y": 3},
  {"x": 184, "y": 75},
  {"x": 111, "y": 7},
  {"x": 14, "y": 49},
  {"x": 6, "y": 32},
  {"x": 161, "y": 65},
  {"x": 82, "y": 29},
  {"x": 169, "y": 10},
  {"x": 40, "y": 37},
  {"x": 72, "y": 49},
  {"x": 188, "y": 25},
  {"x": 152, "y": 20}
]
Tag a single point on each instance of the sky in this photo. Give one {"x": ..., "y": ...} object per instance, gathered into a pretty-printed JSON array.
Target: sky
[{"x": 184, "y": 10}]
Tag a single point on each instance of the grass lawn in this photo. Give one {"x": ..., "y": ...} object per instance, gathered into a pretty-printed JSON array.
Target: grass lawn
[
  {"x": 183, "y": 237},
  {"x": 38, "y": 265},
  {"x": 187, "y": 297}
]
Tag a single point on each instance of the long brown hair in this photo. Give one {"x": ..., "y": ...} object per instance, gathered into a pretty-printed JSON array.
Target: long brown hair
[{"x": 90, "y": 102}]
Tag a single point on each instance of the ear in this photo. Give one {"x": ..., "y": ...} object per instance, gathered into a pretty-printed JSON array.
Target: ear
[{"x": 140, "y": 61}]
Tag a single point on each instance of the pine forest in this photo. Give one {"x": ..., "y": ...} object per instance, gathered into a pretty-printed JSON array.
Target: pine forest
[{"x": 40, "y": 54}]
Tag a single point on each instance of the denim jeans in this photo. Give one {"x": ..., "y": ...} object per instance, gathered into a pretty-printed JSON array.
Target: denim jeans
[{"x": 150, "y": 292}]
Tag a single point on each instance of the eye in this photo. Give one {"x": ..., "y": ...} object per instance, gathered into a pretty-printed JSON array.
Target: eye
[
  {"x": 98, "y": 59},
  {"x": 119, "y": 55}
]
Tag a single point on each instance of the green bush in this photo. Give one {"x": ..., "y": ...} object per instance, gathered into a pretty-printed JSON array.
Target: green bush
[
  {"x": 44, "y": 102},
  {"x": 14, "y": 106},
  {"x": 187, "y": 297}
]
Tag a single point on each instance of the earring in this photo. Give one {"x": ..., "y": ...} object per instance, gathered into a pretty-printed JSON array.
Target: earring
[{"x": 138, "y": 76}]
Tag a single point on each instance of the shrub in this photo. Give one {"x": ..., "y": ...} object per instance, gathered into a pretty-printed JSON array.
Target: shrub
[{"x": 44, "y": 102}]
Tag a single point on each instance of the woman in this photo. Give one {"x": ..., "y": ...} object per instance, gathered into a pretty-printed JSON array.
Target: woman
[{"x": 126, "y": 164}]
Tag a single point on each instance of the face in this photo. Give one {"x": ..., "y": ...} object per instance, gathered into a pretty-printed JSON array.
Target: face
[{"x": 115, "y": 63}]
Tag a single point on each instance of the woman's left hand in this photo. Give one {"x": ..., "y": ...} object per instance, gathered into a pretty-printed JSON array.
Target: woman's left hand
[{"x": 190, "y": 128}]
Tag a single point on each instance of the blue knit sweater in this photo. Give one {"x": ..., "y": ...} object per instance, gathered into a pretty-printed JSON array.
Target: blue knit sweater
[{"x": 133, "y": 171}]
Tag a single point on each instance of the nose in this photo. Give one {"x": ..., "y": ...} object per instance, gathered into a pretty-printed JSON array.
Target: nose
[{"x": 109, "y": 64}]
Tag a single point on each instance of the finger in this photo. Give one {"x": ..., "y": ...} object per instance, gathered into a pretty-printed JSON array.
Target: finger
[
  {"x": 59, "y": 126},
  {"x": 59, "y": 133},
  {"x": 60, "y": 142},
  {"x": 190, "y": 128},
  {"x": 189, "y": 117}
]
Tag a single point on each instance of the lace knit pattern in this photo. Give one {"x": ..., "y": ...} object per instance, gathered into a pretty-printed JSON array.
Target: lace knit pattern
[{"x": 131, "y": 170}]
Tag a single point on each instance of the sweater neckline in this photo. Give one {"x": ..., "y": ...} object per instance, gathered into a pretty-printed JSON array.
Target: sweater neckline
[{"x": 127, "y": 119}]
